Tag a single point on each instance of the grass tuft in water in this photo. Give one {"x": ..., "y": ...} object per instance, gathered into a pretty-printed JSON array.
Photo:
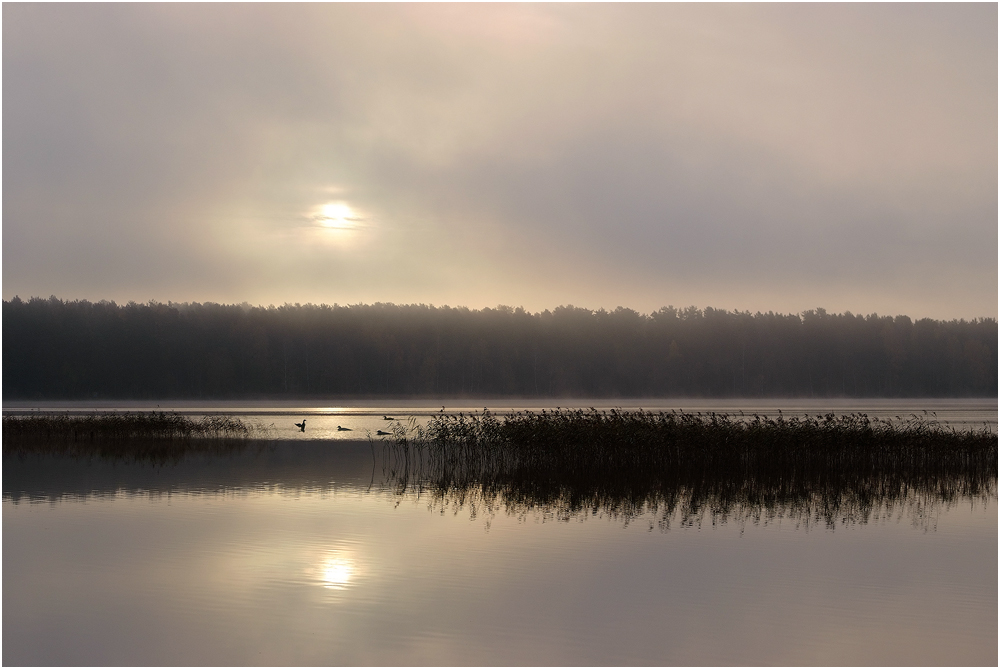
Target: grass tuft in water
[
  {"x": 132, "y": 434},
  {"x": 831, "y": 468}
]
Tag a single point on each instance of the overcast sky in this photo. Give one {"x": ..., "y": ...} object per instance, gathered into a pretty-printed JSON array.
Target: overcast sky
[{"x": 751, "y": 157}]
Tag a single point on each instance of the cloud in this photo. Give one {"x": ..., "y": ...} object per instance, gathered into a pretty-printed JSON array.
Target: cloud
[{"x": 750, "y": 157}]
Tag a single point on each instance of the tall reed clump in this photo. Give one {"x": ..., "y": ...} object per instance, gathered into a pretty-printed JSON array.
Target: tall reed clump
[
  {"x": 133, "y": 433},
  {"x": 622, "y": 462}
]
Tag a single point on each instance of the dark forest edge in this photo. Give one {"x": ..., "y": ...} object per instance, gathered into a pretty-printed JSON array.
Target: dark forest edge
[{"x": 56, "y": 349}]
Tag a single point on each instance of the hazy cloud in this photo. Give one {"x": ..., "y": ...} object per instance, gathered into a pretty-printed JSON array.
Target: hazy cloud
[{"x": 748, "y": 156}]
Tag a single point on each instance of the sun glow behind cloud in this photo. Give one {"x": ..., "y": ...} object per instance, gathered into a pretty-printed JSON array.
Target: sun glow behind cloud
[
  {"x": 336, "y": 215},
  {"x": 745, "y": 156}
]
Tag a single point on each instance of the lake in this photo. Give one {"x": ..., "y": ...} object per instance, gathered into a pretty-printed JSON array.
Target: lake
[{"x": 305, "y": 550}]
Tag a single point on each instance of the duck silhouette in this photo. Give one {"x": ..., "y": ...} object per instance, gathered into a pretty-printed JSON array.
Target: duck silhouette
[
  {"x": 302, "y": 425},
  {"x": 388, "y": 418},
  {"x": 343, "y": 429},
  {"x": 383, "y": 434}
]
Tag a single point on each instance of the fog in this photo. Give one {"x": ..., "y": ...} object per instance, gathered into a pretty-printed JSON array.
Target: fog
[{"x": 748, "y": 157}]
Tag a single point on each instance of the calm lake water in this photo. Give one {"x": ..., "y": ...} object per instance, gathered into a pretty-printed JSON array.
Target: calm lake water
[
  {"x": 303, "y": 552},
  {"x": 362, "y": 418}
]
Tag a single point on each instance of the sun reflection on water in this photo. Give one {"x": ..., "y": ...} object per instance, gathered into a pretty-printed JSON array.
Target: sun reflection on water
[{"x": 337, "y": 572}]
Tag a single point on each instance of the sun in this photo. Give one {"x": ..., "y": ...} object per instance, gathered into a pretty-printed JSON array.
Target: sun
[{"x": 336, "y": 215}]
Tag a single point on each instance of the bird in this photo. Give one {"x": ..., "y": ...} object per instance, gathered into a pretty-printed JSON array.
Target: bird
[
  {"x": 343, "y": 429},
  {"x": 388, "y": 418},
  {"x": 382, "y": 434},
  {"x": 302, "y": 425}
]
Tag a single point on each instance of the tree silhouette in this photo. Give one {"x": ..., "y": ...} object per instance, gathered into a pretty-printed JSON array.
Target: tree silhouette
[{"x": 54, "y": 349}]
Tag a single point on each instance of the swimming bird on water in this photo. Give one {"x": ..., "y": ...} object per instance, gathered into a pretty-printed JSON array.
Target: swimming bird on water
[
  {"x": 302, "y": 425},
  {"x": 382, "y": 434},
  {"x": 388, "y": 418},
  {"x": 343, "y": 429}
]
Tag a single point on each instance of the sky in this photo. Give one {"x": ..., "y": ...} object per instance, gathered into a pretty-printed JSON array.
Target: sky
[{"x": 750, "y": 157}]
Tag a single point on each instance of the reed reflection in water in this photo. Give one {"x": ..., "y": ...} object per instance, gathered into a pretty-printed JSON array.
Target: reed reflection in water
[
  {"x": 364, "y": 553},
  {"x": 825, "y": 469}
]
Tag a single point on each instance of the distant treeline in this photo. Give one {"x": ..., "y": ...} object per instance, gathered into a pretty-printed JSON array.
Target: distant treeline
[{"x": 63, "y": 350}]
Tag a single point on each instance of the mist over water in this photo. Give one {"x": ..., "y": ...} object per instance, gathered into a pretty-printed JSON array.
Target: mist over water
[{"x": 314, "y": 551}]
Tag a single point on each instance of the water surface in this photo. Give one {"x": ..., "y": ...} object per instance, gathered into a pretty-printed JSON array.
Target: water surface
[
  {"x": 306, "y": 552},
  {"x": 364, "y": 418}
]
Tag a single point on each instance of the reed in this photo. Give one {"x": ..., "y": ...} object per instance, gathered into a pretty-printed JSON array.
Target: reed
[
  {"x": 136, "y": 435},
  {"x": 827, "y": 468}
]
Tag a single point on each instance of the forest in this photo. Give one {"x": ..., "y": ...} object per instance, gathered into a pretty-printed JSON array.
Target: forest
[{"x": 55, "y": 349}]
